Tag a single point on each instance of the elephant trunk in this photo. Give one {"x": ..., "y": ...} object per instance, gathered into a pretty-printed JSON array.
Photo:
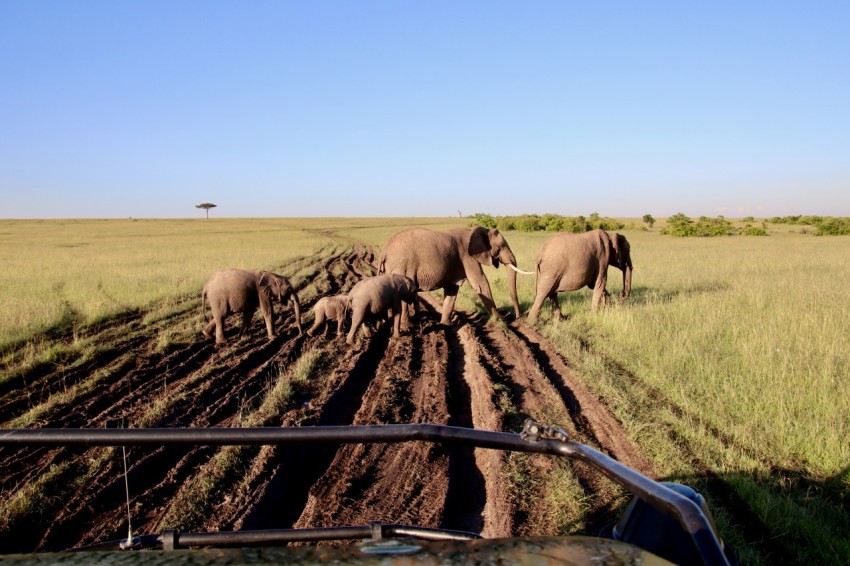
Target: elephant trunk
[
  {"x": 512, "y": 288},
  {"x": 627, "y": 281},
  {"x": 509, "y": 259}
]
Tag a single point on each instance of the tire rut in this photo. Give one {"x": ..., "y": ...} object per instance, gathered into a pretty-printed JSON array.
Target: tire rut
[{"x": 473, "y": 374}]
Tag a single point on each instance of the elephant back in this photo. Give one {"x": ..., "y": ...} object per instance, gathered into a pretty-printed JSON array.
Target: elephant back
[
  {"x": 429, "y": 258},
  {"x": 572, "y": 261}
]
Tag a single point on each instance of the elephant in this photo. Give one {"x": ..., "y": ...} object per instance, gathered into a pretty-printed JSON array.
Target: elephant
[
  {"x": 568, "y": 262},
  {"x": 241, "y": 291},
  {"x": 371, "y": 298},
  {"x": 446, "y": 259},
  {"x": 331, "y": 308}
]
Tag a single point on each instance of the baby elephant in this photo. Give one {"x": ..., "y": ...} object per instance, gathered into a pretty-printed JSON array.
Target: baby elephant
[
  {"x": 240, "y": 291},
  {"x": 372, "y": 297},
  {"x": 330, "y": 309}
]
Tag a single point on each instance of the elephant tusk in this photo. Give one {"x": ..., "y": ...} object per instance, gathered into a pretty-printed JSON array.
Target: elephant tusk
[{"x": 518, "y": 270}]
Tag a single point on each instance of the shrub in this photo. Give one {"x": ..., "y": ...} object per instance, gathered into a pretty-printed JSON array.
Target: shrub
[
  {"x": 682, "y": 226},
  {"x": 750, "y": 230},
  {"x": 833, "y": 227},
  {"x": 824, "y": 225},
  {"x": 484, "y": 220}
]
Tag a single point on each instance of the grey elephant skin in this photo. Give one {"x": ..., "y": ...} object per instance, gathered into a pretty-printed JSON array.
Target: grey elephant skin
[
  {"x": 568, "y": 262},
  {"x": 232, "y": 291},
  {"x": 373, "y": 297},
  {"x": 333, "y": 308},
  {"x": 444, "y": 260}
]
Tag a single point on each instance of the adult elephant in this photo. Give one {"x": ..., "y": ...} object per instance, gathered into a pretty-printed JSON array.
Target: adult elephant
[
  {"x": 240, "y": 291},
  {"x": 568, "y": 262},
  {"x": 444, "y": 260}
]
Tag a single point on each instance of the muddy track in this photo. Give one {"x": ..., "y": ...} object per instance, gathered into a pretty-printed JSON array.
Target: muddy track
[{"x": 474, "y": 374}]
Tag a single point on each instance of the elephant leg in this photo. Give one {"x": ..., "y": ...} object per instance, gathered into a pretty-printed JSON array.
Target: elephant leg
[
  {"x": 269, "y": 316},
  {"x": 397, "y": 318},
  {"x": 339, "y": 322},
  {"x": 408, "y": 310},
  {"x": 209, "y": 329},
  {"x": 320, "y": 319},
  {"x": 449, "y": 304},
  {"x": 482, "y": 287},
  {"x": 547, "y": 285},
  {"x": 356, "y": 321},
  {"x": 556, "y": 308},
  {"x": 535, "y": 308},
  {"x": 218, "y": 321},
  {"x": 246, "y": 321},
  {"x": 599, "y": 293},
  {"x": 544, "y": 290},
  {"x": 405, "y": 315}
]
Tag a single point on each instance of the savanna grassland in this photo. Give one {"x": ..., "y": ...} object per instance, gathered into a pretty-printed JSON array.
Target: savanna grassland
[{"x": 727, "y": 369}]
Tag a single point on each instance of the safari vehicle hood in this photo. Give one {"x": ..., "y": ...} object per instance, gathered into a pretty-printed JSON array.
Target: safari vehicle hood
[{"x": 664, "y": 523}]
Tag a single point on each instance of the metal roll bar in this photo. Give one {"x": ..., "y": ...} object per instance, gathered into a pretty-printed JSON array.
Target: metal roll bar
[{"x": 535, "y": 438}]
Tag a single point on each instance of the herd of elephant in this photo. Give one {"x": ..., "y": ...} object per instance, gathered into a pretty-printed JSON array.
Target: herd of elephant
[{"x": 418, "y": 259}]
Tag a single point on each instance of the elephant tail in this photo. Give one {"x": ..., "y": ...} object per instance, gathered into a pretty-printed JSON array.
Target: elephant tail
[
  {"x": 382, "y": 263},
  {"x": 204, "y": 304}
]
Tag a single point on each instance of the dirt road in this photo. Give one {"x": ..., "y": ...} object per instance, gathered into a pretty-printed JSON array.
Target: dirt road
[{"x": 474, "y": 374}]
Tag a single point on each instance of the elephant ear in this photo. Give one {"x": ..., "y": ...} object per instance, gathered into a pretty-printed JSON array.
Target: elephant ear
[
  {"x": 621, "y": 249},
  {"x": 479, "y": 245},
  {"x": 412, "y": 286},
  {"x": 284, "y": 289},
  {"x": 264, "y": 283}
]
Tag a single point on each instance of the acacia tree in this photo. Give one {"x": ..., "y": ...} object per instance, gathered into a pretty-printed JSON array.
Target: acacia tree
[
  {"x": 206, "y": 206},
  {"x": 648, "y": 219}
]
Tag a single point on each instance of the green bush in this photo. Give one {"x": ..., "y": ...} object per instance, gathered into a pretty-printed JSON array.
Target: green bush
[
  {"x": 683, "y": 227},
  {"x": 750, "y": 230},
  {"x": 824, "y": 225},
  {"x": 484, "y": 220},
  {"x": 833, "y": 227}
]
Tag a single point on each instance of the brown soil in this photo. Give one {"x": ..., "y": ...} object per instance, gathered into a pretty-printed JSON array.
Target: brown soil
[{"x": 477, "y": 373}]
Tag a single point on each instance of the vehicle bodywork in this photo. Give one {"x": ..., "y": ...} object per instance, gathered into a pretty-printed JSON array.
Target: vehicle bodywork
[{"x": 665, "y": 522}]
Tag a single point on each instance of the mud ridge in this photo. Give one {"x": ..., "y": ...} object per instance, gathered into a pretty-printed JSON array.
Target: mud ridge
[
  {"x": 473, "y": 374},
  {"x": 299, "y": 467},
  {"x": 584, "y": 406}
]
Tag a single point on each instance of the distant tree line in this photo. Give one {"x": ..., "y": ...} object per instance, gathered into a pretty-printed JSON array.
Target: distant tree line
[
  {"x": 824, "y": 225},
  {"x": 677, "y": 225},
  {"x": 546, "y": 222},
  {"x": 681, "y": 225}
]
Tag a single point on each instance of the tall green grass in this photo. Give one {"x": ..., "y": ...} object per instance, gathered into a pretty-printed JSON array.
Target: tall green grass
[
  {"x": 59, "y": 273},
  {"x": 731, "y": 359}
]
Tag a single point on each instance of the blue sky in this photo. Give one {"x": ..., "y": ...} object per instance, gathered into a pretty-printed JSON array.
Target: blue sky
[{"x": 376, "y": 108}]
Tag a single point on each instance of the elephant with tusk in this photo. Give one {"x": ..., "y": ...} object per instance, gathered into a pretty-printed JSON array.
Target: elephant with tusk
[
  {"x": 239, "y": 291},
  {"x": 568, "y": 262},
  {"x": 444, "y": 260}
]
